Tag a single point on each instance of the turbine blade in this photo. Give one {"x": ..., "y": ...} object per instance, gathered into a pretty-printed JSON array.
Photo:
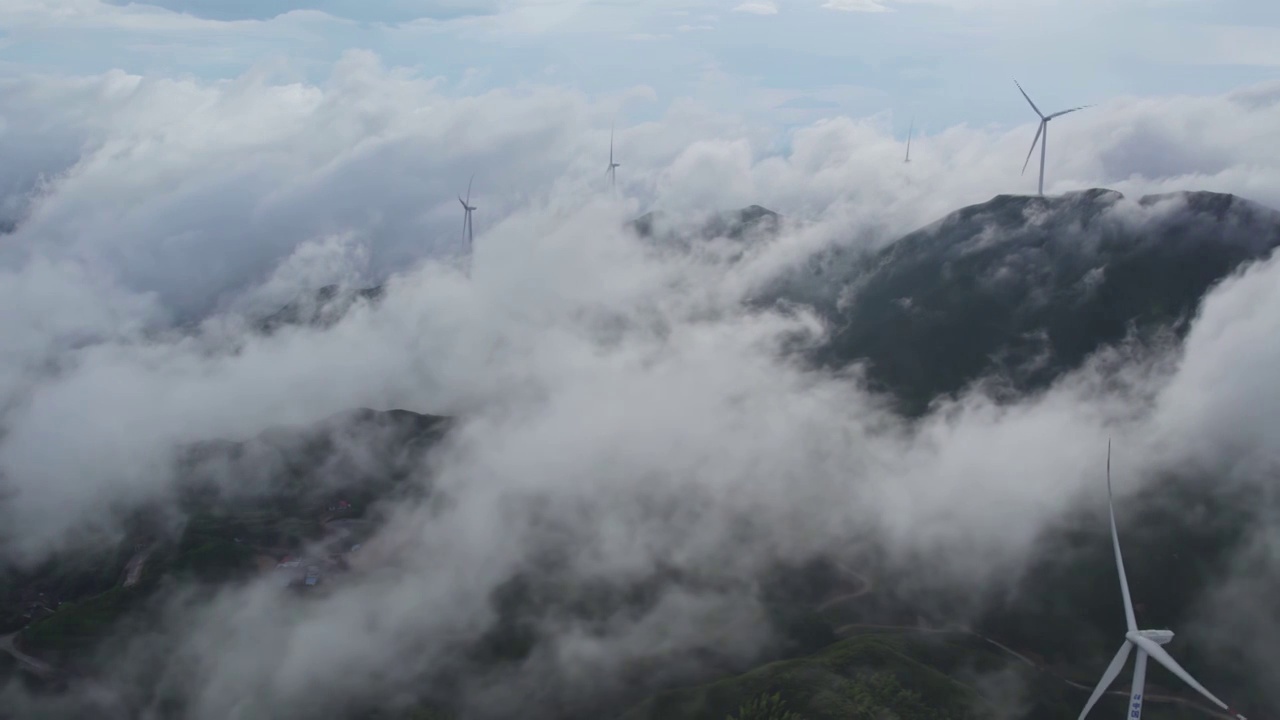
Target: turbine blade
[
  {"x": 1036, "y": 139},
  {"x": 1162, "y": 657},
  {"x": 1139, "y": 684},
  {"x": 473, "y": 178},
  {"x": 1108, "y": 677},
  {"x": 909, "y": 130},
  {"x": 1064, "y": 112},
  {"x": 1028, "y": 97},
  {"x": 1129, "y": 619},
  {"x": 464, "y": 202}
]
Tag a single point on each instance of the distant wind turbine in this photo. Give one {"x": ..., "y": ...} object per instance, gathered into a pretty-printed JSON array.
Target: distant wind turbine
[
  {"x": 468, "y": 233},
  {"x": 1148, "y": 642},
  {"x": 1043, "y": 130},
  {"x": 909, "y": 129},
  {"x": 613, "y": 166}
]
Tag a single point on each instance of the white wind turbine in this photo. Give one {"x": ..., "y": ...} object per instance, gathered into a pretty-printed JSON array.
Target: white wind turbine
[
  {"x": 909, "y": 130},
  {"x": 468, "y": 233},
  {"x": 1148, "y": 642},
  {"x": 611, "y": 170},
  {"x": 1043, "y": 130}
]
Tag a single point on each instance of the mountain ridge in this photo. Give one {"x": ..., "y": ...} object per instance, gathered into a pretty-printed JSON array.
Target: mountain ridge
[
  {"x": 1025, "y": 288},
  {"x": 1020, "y": 288},
  {"x": 983, "y": 280}
]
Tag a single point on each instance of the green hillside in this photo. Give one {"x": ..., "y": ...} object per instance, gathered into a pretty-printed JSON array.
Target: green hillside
[
  {"x": 1021, "y": 289},
  {"x": 1018, "y": 289},
  {"x": 899, "y": 675}
]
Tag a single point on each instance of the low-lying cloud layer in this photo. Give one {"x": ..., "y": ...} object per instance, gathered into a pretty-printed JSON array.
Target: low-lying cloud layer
[{"x": 619, "y": 409}]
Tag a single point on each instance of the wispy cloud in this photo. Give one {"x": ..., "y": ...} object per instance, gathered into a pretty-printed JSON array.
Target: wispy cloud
[
  {"x": 758, "y": 7},
  {"x": 872, "y": 6}
]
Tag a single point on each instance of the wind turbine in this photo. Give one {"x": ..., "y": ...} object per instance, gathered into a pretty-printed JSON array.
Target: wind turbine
[
  {"x": 1148, "y": 642},
  {"x": 909, "y": 129},
  {"x": 611, "y": 170},
  {"x": 468, "y": 233},
  {"x": 1042, "y": 130}
]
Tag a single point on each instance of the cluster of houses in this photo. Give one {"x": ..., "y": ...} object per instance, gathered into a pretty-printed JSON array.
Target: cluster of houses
[
  {"x": 309, "y": 570},
  {"x": 290, "y": 572},
  {"x": 38, "y": 607}
]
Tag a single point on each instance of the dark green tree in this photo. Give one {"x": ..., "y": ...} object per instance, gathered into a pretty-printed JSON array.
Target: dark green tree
[{"x": 764, "y": 707}]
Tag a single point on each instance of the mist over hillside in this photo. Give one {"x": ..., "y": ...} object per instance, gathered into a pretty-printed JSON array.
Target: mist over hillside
[
  {"x": 265, "y": 451},
  {"x": 1020, "y": 289},
  {"x": 647, "y": 554}
]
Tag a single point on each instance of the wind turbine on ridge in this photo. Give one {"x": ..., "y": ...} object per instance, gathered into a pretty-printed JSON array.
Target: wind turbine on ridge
[
  {"x": 1148, "y": 642},
  {"x": 468, "y": 232},
  {"x": 909, "y": 129},
  {"x": 611, "y": 170},
  {"x": 1043, "y": 130}
]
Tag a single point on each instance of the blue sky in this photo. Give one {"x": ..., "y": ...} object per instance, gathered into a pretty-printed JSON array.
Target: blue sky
[{"x": 944, "y": 61}]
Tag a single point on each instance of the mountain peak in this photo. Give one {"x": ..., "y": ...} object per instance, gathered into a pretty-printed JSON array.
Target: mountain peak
[
  {"x": 321, "y": 308},
  {"x": 751, "y": 222},
  {"x": 1023, "y": 288}
]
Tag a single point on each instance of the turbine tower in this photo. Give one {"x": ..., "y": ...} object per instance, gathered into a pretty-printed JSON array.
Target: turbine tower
[
  {"x": 1148, "y": 642},
  {"x": 468, "y": 233},
  {"x": 909, "y": 129},
  {"x": 611, "y": 170},
  {"x": 1043, "y": 130}
]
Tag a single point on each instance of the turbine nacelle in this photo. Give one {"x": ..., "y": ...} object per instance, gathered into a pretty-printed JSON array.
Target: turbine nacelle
[
  {"x": 468, "y": 231},
  {"x": 1159, "y": 637}
]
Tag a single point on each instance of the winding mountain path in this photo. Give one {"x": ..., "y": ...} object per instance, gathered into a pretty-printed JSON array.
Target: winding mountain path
[
  {"x": 33, "y": 665},
  {"x": 864, "y": 586}
]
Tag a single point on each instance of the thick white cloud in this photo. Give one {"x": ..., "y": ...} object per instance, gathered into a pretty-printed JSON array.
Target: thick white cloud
[
  {"x": 617, "y": 404},
  {"x": 175, "y": 197},
  {"x": 1215, "y": 407}
]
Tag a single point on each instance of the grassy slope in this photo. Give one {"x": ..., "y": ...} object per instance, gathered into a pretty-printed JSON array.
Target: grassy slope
[
  {"x": 205, "y": 552},
  {"x": 900, "y": 676},
  {"x": 853, "y": 678}
]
